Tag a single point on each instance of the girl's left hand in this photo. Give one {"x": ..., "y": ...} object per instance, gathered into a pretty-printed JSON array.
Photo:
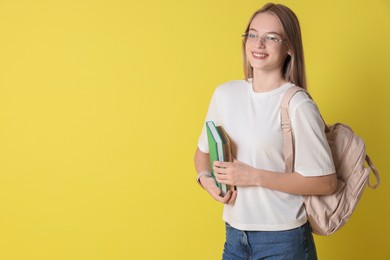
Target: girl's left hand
[{"x": 234, "y": 173}]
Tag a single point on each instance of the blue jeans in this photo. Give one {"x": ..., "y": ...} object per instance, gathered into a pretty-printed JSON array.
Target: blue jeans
[{"x": 293, "y": 244}]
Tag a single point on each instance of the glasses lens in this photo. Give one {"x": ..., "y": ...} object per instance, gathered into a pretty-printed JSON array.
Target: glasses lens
[
  {"x": 272, "y": 38},
  {"x": 268, "y": 39}
]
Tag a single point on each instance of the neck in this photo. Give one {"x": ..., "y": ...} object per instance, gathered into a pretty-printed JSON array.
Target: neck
[{"x": 264, "y": 82}]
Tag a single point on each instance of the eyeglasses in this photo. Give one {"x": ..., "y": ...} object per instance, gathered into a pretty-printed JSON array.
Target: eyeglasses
[{"x": 267, "y": 39}]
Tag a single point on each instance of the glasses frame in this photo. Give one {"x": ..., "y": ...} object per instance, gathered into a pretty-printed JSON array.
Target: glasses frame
[{"x": 263, "y": 39}]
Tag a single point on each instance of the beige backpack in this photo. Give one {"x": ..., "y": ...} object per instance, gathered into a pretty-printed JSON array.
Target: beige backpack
[{"x": 328, "y": 213}]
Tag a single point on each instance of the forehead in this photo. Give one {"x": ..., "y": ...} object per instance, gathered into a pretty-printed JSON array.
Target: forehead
[{"x": 266, "y": 22}]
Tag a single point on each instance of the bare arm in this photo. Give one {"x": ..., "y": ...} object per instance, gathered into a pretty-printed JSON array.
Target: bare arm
[
  {"x": 240, "y": 174},
  {"x": 202, "y": 163},
  {"x": 295, "y": 183}
]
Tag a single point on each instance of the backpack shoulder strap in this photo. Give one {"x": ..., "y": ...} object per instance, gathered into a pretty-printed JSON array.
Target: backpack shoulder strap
[
  {"x": 376, "y": 174},
  {"x": 286, "y": 127},
  {"x": 288, "y": 136}
]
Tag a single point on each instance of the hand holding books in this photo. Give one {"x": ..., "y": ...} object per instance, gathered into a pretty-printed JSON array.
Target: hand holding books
[{"x": 219, "y": 150}]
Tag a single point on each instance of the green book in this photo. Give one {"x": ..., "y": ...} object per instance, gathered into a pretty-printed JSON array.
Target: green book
[{"x": 219, "y": 149}]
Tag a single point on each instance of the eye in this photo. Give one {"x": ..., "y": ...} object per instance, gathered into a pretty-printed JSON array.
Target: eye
[
  {"x": 272, "y": 37},
  {"x": 252, "y": 36}
]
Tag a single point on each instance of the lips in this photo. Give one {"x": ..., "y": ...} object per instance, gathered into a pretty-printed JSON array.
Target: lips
[{"x": 259, "y": 55}]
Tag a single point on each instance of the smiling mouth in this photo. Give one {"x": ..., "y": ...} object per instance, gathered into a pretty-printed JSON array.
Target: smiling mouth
[{"x": 259, "y": 55}]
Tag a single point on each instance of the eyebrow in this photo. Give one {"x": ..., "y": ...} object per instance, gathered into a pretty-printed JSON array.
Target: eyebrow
[{"x": 253, "y": 29}]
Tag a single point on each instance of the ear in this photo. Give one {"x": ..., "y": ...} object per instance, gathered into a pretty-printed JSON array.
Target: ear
[{"x": 289, "y": 53}]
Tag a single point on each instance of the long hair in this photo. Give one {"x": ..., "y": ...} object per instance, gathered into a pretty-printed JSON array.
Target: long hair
[{"x": 294, "y": 66}]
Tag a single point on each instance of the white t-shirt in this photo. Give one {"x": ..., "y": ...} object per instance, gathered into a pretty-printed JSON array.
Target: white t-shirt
[{"x": 252, "y": 121}]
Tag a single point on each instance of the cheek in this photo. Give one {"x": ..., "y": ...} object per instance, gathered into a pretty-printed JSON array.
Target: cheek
[
  {"x": 247, "y": 52},
  {"x": 279, "y": 54}
]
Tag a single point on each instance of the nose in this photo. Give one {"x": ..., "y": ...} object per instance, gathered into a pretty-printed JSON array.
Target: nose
[{"x": 260, "y": 42}]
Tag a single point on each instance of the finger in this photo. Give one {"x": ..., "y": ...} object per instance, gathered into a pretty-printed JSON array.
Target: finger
[
  {"x": 215, "y": 192},
  {"x": 221, "y": 177},
  {"x": 220, "y": 170},
  {"x": 227, "y": 197},
  {"x": 220, "y": 164},
  {"x": 232, "y": 198},
  {"x": 217, "y": 170},
  {"x": 220, "y": 199},
  {"x": 218, "y": 174},
  {"x": 217, "y": 164},
  {"x": 224, "y": 177}
]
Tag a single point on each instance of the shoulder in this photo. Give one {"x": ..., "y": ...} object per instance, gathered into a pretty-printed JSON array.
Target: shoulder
[
  {"x": 303, "y": 109},
  {"x": 302, "y": 101},
  {"x": 232, "y": 86},
  {"x": 231, "y": 90}
]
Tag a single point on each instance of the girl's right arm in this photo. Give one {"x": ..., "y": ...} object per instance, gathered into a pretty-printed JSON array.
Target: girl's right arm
[{"x": 202, "y": 163}]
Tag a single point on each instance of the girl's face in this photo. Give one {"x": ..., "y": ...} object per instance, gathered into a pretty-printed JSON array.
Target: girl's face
[{"x": 265, "y": 45}]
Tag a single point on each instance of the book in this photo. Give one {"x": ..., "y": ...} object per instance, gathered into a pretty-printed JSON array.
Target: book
[{"x": 219, "y": 149}]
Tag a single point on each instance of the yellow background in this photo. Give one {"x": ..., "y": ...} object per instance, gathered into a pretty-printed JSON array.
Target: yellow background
[{"x": 102, "y": 103}]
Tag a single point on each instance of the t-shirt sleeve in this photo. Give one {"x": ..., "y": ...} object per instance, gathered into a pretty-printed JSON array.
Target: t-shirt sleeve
[
  {"x": 212, "y": 115},
  {"x": 313, "y": 156}
]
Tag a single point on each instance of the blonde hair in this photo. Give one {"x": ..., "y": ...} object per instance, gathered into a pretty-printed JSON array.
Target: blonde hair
[{"x": 294, "y": 66}]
